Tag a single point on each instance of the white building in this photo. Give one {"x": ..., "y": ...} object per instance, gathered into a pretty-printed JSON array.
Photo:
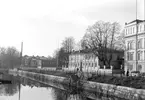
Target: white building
[
  {"x": 85, "y": 61},
  {"x": 135, "y": 46}
]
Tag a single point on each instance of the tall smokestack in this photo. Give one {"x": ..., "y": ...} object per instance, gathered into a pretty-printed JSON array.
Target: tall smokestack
[{"x": 21, "y": 54}]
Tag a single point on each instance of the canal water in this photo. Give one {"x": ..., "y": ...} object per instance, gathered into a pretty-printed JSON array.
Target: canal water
[{"x": 26, "y": 89}]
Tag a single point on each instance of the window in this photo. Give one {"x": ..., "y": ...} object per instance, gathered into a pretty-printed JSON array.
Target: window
[
  {"x": 139, "y": 44},
  {"x": 130, "y": 30},
  {"x": 130, "y": 45},
  {"x": 86, "y": 56},
  {"x": 130, "y": 67},
  {"x": 96, "y": 64},
  {"x": 126, "y": 31},
  {"x": 130, "y": 55},
  {"x": 133, "y": 29},
  {"x": 140, "y": 28},
  {"x": 86, "y": 63},
  {"x": 92, "y": 64},
  {"x": 139, "y": 55},
  {"x": 139, "y": 67}
]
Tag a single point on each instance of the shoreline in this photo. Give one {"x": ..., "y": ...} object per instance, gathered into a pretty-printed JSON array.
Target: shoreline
[{"x": 108, "y": 89}]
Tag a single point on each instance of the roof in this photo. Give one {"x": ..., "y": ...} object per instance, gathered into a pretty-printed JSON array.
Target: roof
[
  {"x": 86, "y": 51},
  {"x": 36, "y": 57},
  {"x": 137, "y": 20},
  {"x": 82, "y": 51}
]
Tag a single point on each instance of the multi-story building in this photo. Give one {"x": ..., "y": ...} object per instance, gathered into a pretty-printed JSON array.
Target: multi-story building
[
  {"x": 38, "y": 62},
  {"x": 87, "y": 61},
  {"x": 135, "y": 46}
]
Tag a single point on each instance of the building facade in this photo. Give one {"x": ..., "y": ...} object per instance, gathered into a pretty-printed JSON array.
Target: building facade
[
  {"x": 38, "y": 62},
  {"x": 135, "y": 46},
  {"x": 87, "y": 61}
]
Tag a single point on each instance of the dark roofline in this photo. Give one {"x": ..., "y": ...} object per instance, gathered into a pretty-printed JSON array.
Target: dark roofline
[
  {"x": 83, "y": 51},
  {"x": 137, "y": 20},
  {"x": 86, "y": 51}
]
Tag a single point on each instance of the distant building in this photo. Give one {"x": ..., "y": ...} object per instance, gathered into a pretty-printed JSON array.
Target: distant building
[
  {"x": 85, "y": 60},
  {"x": 29, "y": 61},
  {"x": 135, "y": 46},
  {"x": 38, "y": 62}
]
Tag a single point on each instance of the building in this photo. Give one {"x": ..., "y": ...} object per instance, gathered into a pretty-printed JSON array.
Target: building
[
  {"x": 38, "y": 62},
  {"x": 135, "y": 46},
  {"x": 86, "y": 61},
  {"x": 29, "y": 61}
]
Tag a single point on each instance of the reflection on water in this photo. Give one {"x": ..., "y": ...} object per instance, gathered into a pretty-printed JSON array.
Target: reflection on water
[
  {"x": 8, "y": 89},
  {"x": 26, "y": 89}
]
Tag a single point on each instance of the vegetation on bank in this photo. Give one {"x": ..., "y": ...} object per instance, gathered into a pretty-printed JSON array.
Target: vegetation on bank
[
  {"x": 9, "y": 57},
  {"x": 137, "y": 82}
]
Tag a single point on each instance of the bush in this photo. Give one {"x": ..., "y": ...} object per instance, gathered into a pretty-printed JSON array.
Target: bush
[{"x": 134, "y": 82}]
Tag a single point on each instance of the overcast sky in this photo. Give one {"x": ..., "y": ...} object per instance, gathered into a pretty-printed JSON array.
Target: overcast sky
[{"x": 43, "y": 24}]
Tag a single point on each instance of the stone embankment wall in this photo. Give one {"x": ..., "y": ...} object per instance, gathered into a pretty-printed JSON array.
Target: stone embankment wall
[{"x": 108, "y": 89}]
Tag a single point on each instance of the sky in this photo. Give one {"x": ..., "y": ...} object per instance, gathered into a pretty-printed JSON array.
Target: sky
[{"x": 42, "y": 25}]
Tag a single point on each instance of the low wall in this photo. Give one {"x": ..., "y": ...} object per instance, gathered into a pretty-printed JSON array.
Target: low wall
[
  {"x": 108, "y": 89},
  {"x": 38, "y": 76},
  {"x": 118, "y": 91}
]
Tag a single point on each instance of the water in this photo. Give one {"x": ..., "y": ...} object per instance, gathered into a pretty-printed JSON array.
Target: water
[{"x": 26, "y": 89}]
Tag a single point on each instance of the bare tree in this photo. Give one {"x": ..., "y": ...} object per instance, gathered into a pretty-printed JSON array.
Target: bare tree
[
  {"x": 9, "y": 57},
  {"x": 120, "y": 43},
  {"x": 61, "y": 56},
  {"x": 101, "y": 39},
  {"x": 68, "y": 44}
]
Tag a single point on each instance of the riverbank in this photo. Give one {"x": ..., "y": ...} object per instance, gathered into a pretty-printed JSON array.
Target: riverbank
[
  {"x": 133, "y": 82},
  {"x": 48, "y": 72},
  {"x": 108, "y": 89}
]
